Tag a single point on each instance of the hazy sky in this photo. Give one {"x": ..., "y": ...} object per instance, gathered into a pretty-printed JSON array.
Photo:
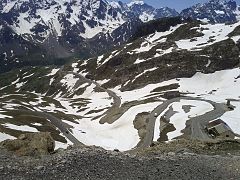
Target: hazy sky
[{"x": 176, "y": 4}]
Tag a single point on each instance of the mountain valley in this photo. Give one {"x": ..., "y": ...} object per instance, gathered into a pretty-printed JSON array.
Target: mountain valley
[{"x": 106, "y": 99}]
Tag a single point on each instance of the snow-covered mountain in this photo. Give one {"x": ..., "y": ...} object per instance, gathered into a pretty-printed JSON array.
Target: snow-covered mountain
[
  {"x": 63, "y": 28},
  {"x": 111, "y": 100},
  {"x": 147, "y": 13},
  {"x": 42, "y": 17},
  {"x": 40, "y": 32},
  {"x": 214, "y": 11}
]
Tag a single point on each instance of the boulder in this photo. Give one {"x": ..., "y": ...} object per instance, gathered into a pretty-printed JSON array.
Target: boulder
[{"x": 31, "y": 144}]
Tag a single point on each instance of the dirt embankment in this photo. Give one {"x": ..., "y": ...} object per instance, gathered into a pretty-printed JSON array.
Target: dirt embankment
[{"x": 214, "y": 147}]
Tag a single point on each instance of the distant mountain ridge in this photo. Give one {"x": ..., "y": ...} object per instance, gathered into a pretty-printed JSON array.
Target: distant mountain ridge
[
  {"x": 63, "y": 28},
  {"x": 214, "y": 11},
  {"x": 40, "y": 32}
]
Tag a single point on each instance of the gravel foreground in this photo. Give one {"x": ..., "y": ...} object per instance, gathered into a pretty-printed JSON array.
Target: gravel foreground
[{"x": 96, "y": 163}]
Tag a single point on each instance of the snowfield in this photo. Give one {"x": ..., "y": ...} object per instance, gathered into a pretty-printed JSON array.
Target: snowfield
[
  {"x": 120, "y": 135},
  {"x": 215, "y": 33},
  {"x": 232, "y": 118},
  {"x": 4, "y": 136},
  {"x": 21, "y": 128},
  {"x": 218, "y": 86}
]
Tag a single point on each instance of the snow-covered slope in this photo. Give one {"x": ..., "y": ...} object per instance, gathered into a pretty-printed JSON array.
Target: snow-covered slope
[{"x": 110, "y": 100}]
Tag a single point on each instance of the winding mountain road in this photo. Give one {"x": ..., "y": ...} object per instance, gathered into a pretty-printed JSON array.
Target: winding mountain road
[
  {"x": 61, "y": 126},
  {"x": 57, "y": 123},
  {"x": 197, "y": 123},
  {"x": 116, "y": 100}
]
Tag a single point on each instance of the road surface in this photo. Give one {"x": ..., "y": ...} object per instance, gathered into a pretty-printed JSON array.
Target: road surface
[{"x": 61, "y": 126}]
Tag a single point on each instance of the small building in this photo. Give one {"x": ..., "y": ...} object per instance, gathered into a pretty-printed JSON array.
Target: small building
[{"x": 219, "y": 129}]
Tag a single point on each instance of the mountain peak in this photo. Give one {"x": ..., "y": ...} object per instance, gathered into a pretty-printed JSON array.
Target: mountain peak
[
  {"x": 213, "y": 11},
  {"x": 136, "y": 2}
]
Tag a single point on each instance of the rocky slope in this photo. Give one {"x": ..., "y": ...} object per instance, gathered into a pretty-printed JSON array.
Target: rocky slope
[
  {"x": 95, "y": 163},
  {"x": 30, "y": 144},
  {"x": 205, "y": 48}
]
